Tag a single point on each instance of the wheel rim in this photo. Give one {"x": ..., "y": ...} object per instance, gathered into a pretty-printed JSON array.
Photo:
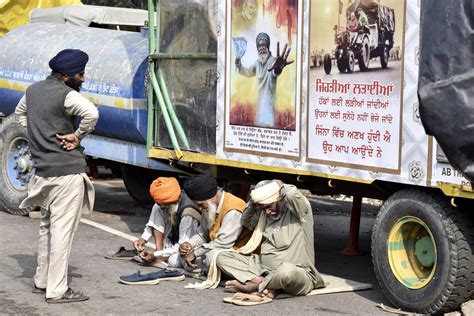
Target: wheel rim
[
  {"x": 18, "y": 165},
  {"x": 412, "y": 252}
]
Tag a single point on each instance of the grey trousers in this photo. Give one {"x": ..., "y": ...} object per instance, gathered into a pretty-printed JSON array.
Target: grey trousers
[
  {"x": 61, "y": 212},
  {"x": 287, "y": 278}
]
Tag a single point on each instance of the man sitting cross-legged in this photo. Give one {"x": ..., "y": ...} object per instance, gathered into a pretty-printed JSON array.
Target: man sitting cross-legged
[
  {"x": 286, "y": 261},
  {"x": 174, "y": 220},
  {"x": 220, "y": 227}
]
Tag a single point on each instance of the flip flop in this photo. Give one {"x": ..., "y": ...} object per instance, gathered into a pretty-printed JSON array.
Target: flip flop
[
  {"x": 122, "y": 254},
  {"x": 38, "y": 290},
  {"x": 69, "y": 296},
  {"x": 243, "y": 299}
]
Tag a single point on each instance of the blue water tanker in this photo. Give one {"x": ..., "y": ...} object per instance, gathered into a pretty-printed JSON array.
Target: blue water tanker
[
  {"x": 114, "y": 75},
  {"x": 115, "y": 83}
]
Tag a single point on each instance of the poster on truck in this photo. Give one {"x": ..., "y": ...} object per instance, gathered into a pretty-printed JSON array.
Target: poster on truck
[
  {"x": 355, "y": 85},
  {"x": 261, "y": 102}
]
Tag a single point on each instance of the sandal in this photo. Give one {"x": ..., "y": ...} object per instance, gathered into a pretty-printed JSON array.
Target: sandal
[
  {"x": 38, "y": 290},
  {"x": 122, "y": 254},
  {"x": 69, "y": 296}
]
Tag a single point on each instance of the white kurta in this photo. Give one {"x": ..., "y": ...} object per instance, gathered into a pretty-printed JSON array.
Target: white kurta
[
  {"x": 267, "y": 81},
  {"x": 188, "y": 227}
]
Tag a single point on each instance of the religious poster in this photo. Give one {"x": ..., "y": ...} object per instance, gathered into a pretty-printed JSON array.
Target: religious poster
[
  {"x": 355, "y": 83},
  {"x": 261, "y": 107}
]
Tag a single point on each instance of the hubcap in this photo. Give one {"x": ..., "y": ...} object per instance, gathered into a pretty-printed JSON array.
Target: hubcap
[
  {"x": 412, "y": 252},
  {"x": 18, "y": 165}
]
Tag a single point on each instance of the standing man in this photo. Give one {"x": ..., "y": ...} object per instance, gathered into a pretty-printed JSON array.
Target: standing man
[
  {"x": 220, "y": 228},
  {"x": 266, "y": 68},
  {"x": 60, "y": 185},
  {"x": 286, "y": 261}
]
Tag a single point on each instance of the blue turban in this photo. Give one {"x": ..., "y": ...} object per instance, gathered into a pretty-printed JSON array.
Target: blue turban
[
  {"x": 69, "y": 62},
  {"x": 263, "y": 37}
]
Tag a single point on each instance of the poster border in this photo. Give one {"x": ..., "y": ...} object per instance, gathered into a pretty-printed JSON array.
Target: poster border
[
  {"x": 396, "y": 171},
  {"x": 299, "y": 38}
]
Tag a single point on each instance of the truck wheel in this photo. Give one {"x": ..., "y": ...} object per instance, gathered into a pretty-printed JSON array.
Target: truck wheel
[
  {"x": 422, "y": 252},
  {"x": 342, "y": 64},
  {"x": 16, "y": 165},
  {"x": 364, "y": 55},
  {"x": 384, "y": 55},
  {"x": 137, "y": 182},
  {"x": 350, "y": 61},
  {"x": 327, "y": 64}
]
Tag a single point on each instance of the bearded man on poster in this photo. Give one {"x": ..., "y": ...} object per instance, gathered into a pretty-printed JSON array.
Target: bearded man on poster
[{"x": 266, "y": 68}]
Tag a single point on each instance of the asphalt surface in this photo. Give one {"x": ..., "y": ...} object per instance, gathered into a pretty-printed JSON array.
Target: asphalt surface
[{"x": 90, "y": 272}]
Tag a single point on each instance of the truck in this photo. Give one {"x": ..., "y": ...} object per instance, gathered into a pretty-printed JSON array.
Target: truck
[
  {"x": 371, "y": 40},
  {"x": 171, "y": 102}
]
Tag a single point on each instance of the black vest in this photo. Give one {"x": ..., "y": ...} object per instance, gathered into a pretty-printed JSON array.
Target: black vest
[
  {"x": 47, "y": 117},
  {"x": 184, "y": 203}
]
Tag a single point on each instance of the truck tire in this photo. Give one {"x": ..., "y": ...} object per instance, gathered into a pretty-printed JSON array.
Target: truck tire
[
  {"x": 384, "y": 55},
  {"x": 422, "y": 252},
  {"x": 137, "y": 182},
  {"x": 364, "y": 55},
  {"x": 16, "y": 166},
  {"x": 350, "y": 61},
  {"x": 327, "y": 63},
  {"x": 342, "y": 64}
]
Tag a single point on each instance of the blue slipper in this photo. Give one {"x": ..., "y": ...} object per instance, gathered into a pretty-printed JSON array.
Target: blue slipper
[{"x": 152, "y": 278}]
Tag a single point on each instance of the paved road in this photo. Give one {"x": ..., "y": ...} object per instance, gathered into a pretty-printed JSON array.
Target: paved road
[{"x": 97, "y": 277}]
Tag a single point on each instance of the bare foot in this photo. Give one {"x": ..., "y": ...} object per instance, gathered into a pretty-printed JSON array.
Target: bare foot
[
  {"x": 249, "y": 287},
  {"x": 233, "y": 286},
  {"x": 270, "y": 293}
]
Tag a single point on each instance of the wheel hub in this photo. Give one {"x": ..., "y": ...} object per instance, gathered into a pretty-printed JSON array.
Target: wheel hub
[
  {"x": 425, "y": 252},
  {"x": 412, "y": 252},
  {"x": 19, "y": 165}
]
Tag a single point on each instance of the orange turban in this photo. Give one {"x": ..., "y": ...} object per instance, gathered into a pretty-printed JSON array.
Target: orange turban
[{"x": 165, "y": 190}]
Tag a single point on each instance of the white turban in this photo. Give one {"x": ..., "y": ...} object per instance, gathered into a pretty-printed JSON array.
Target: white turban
[{"x": 266, "y": 194}]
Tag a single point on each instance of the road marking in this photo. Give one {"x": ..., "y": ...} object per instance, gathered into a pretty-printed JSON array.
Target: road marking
[{"x": 114, "y": 231}]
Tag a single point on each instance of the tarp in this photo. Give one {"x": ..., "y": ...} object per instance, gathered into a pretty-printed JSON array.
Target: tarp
[
  {"x": 83, "y": 15},
  {"x": 446, "y": 79},
  {"x": 14, "y": 13}
]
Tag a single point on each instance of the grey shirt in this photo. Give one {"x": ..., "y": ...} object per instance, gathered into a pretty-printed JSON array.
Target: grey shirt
[{"x": 75, "y": 105}]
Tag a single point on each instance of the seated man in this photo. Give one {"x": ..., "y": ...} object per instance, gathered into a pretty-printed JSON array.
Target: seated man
[
  {"x": 286, "y": 260},
  {"x": 174, "y": 220},
  {"x": 220, "y": 227}
]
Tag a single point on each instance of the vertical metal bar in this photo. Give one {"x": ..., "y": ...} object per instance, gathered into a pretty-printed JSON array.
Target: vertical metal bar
[
  {"x": 150, "y": 135},
  {"x": 352, "y": 248}
]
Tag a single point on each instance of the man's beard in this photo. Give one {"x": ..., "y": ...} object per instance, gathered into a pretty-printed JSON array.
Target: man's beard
[
  {"x": 171, "y": 214},
  {"x": 73, "y": 83},
  {"x": 211, "y": 213},
  {"x": 263, "y": 57}
]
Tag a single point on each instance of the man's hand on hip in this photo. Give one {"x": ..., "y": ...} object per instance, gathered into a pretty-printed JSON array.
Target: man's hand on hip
[{"x": 69, "y": 141}]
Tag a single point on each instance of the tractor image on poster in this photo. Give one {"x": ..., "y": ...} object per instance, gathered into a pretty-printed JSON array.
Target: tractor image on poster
[{"x": 368, "y": 34}]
